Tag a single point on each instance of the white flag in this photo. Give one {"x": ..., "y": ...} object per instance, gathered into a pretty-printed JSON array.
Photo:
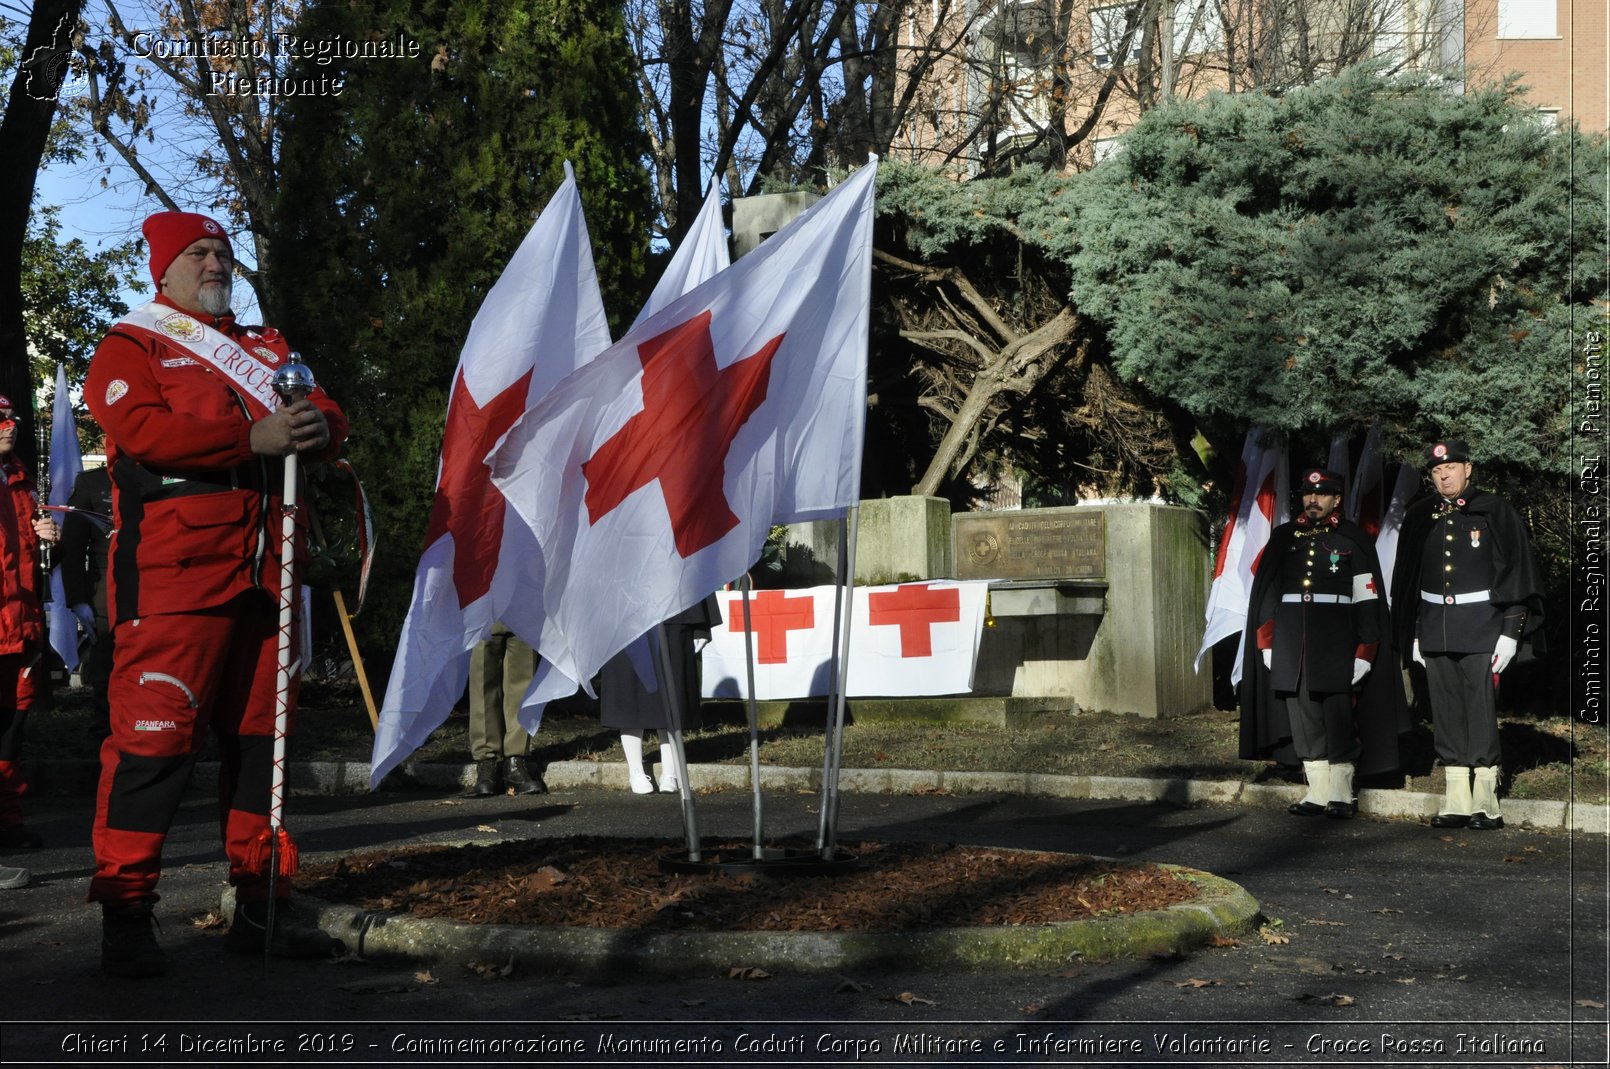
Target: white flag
[
  {"x": 653, "y": 475},
  {"x": 1386, "y": 542},
  {"x": 1258, "y": 504},
  {"x": 701, "y": 256},
  {"x": 66, "y": 464},
  {"x": 542, "y": 320}
]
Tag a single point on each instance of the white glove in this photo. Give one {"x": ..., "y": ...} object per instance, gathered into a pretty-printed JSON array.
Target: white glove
[
  {"x": 1419, "y": 660},
  {"x": 1503, "y": 653},
  {"x": 1268, "y": 659},
  {"x": 1361, "y": 668},
  {"x": 86, "y": 618}
]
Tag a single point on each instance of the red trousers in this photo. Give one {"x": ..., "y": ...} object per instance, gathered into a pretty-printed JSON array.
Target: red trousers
[
  {"x": 174, "y": 676},
  {"x": 16, "y": 695}
]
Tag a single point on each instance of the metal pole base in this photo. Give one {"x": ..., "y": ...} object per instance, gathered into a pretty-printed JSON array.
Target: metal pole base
[{"x": 772, "y": 862}]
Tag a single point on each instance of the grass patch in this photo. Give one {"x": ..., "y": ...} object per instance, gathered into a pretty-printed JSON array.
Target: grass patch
[{"x": 1544, "y": 758}]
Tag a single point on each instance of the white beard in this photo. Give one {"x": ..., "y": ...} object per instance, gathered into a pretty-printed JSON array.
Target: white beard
[{"x": 214, "y": 300}]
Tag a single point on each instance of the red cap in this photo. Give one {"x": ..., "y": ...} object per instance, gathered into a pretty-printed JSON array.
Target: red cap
[{"x": 167, "y": 234}]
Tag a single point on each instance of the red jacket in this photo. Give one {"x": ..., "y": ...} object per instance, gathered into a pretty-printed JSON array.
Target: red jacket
[
  {"x": 21, "y": 620},
  {"x": 196, "y": 511}
]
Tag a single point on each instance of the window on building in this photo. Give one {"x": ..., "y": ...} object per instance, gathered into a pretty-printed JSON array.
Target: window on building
[
  {"x": 1107, "y": 26},
  {"x": 1528, "y": 18},
  {"x": 1197, "y": 27}
]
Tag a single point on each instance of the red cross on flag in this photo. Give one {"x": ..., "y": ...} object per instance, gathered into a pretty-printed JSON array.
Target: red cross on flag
[
  {"x": 1257, "y": 506},
  {"x": 910, "y": 639},
  {"x": 542, "y": 319},
  {"x": 651, "y": 476}
]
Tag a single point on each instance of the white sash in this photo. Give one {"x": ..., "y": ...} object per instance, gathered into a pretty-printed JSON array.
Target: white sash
[{"x": 250, "y": 373}]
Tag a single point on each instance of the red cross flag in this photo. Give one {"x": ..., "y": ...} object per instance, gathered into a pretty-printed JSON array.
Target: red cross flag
[
  {"x": 911, "y": 639},
  {"x": 542, "y": 319},
  {"x": 651, "y": 476},
  {"x": 1257, "y": 507}
]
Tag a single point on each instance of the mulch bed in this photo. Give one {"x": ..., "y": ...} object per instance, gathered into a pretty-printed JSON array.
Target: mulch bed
[{"x": 600, "y": 882}]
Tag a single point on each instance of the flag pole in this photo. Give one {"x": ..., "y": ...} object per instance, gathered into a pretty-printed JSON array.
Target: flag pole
[
  {"x": 830, "y": 800},
  {"x": 293, "y": 382},
  {"x": 758, "y": 850},
  {"x": 690, "y": 823},
  {"x": 828, "y": 775}
]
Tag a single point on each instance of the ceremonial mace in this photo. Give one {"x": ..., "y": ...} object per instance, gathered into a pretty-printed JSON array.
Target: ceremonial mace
[{"x": 293, "y": 382}]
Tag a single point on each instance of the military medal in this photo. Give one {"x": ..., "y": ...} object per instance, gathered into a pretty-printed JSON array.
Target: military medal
[
  {"x": 1333, "y": 560},
  {"x": 1475, "y": 538}
]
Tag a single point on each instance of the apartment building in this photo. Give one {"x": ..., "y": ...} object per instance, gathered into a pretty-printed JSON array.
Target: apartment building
[{"x": 1056, "y": 81}]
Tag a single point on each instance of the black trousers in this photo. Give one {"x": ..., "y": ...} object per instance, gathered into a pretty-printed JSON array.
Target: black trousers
[
  {"x": 1464, "y": 708},
  {"x": 1323, "y": 727}
]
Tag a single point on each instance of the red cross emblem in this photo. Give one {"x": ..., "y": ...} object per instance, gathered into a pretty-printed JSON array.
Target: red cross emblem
[
  {"x": 913, "y": 609},
  {"x": 692, "y": 411},
  {"x": 466, "y": 504},
  {"x": 772, "y": 615}
]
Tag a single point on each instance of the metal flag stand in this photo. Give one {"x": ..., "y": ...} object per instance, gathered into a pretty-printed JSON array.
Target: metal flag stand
[{"x": 826, "y": 858}]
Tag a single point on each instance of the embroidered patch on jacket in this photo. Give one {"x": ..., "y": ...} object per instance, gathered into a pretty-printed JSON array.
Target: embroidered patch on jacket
[
  {"x": 115, "y": 391},
  {"x": 156, "y": 725},
  {"x": 181, "y": 326},
  {"x": 181, "y": 361}
]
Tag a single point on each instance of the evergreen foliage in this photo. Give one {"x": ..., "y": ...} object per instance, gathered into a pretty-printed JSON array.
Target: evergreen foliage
[
  {"x": 403, "y": 198},
  {"x": 1365, "y": 249}
]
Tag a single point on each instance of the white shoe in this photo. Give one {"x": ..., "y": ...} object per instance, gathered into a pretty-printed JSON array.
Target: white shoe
[
  {"x": 669, "y": 784},
  {"x": 640, "y": 783}
]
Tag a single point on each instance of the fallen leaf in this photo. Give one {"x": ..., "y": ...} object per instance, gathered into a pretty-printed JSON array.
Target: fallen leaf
[
  {"x": 1404, "y": 980},
  {"x": 488, "y": 971},
  {"x": 852, "y": 987},
  {"x": 1386, "y": 909},
  {"x": 1589, "y": 1004},
  {"x": 747, "y": 972},
  {"x": 1329, "y": 1000},
  {"x": 1223, "y": 941},
  {"x": 1032, "y": 1008},
  {"x": 911, "y": 1000},
  {"x": 1194, "y": 982},
  {"x": 208, "y": 920},
  {"x": 1272, "y": 937},
  {"x": 424, "y": 976},
  {"x": 489, "y": 829},
  {"x": 1516, "y": 859}
]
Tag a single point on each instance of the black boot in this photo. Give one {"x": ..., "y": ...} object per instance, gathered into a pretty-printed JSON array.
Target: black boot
[
  {"x": 520, "y": 779},
  {"x": 486, "y": 778},
  {"x": 128, "y": 942},
  {"x": 293, "y": 936}
]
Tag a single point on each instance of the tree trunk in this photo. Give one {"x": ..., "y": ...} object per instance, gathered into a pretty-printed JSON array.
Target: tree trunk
[{"x": 23, "y": 134}]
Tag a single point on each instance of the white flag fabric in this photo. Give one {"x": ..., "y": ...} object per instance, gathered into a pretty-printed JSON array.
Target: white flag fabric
[
  {"x": 1258, "y": 504},
  {"x": 542, "y": 319},
  {"x": 911, "y": 639},
  {"x": 652, "y": 476},
  {"x": 701, "y": 256},
  {"x": 66, "y": 464},
  {"x": 1386, "y": 542}
]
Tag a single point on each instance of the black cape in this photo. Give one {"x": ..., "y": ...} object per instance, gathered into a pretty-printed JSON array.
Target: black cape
[
  {"x": 1381, "y": 713},
  {"x": 1517, "y": 579}
]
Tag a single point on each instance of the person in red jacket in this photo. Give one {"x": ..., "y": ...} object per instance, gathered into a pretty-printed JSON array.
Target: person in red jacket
[
  {"x": 195, "y": 441},
  {"x": 22, "y": 528}
]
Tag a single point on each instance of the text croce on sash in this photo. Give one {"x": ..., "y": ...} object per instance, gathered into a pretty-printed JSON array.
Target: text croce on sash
[{"x": 249, "y": 373}]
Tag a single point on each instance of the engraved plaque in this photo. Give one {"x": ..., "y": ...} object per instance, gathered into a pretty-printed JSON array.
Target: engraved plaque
[{"x": 1060, "y": 543}]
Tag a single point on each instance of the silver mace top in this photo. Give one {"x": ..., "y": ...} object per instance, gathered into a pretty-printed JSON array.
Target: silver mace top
[{"x": 294, "y": 381}]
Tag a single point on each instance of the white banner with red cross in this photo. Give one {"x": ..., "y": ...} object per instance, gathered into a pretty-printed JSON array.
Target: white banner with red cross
[{"x": 905, "y": 640}]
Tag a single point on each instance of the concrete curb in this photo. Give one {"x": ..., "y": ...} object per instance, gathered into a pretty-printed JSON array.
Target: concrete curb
[
  {"x": 352, "y": 777},
  {"x": 1222, "y": 910}
]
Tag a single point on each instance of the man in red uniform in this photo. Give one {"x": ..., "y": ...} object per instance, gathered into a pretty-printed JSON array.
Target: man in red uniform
[
  {"x": 22, "y": 528},
  {"x": 195, "y": 436}
]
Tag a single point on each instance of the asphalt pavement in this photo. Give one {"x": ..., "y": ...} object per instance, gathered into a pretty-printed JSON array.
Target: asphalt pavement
[{"x": 1387, "y": 942}]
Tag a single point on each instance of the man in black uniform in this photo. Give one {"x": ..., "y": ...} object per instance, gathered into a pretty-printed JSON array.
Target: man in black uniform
[
  {"x": 1469, "y": 596},
  {"x": 1316, "y": 625}
]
